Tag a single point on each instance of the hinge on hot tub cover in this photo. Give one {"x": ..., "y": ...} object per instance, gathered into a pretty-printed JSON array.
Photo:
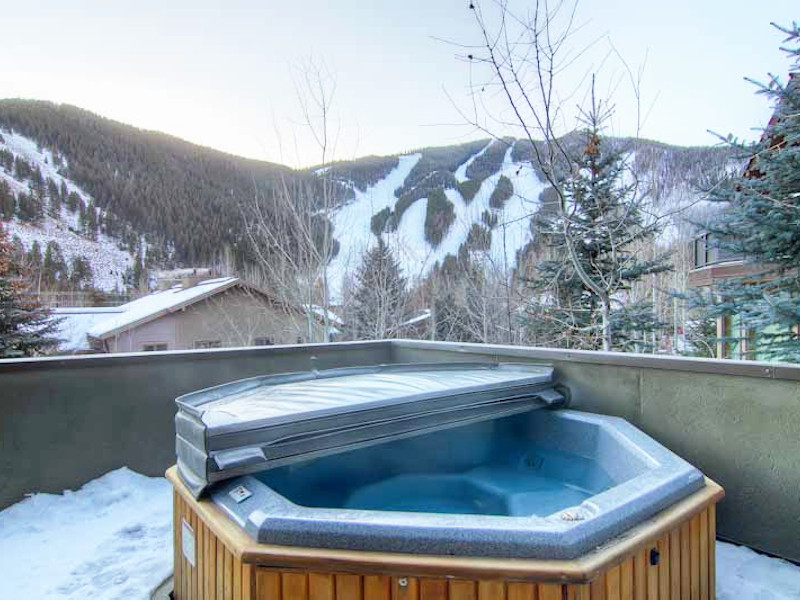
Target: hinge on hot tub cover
[{"x": 554, "y": 397}]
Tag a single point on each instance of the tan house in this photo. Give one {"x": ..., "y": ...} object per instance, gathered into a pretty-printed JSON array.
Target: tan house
[{"x": 215, "y": 313}]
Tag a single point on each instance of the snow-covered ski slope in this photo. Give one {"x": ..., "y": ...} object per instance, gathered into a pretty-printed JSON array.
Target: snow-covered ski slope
[
  {"x": 107, "y": 260},
  {"x": 415, "y": 254}
]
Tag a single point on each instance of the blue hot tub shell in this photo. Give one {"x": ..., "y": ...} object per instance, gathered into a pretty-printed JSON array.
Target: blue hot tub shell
[{"x": 536, "y": 484}]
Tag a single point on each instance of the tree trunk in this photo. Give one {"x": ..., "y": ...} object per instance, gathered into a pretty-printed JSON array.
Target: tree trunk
[{"x": 606, "y": 324}]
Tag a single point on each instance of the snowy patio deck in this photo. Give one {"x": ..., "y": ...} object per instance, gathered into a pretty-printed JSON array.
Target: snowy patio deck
[{"x": 112, "y": 539}]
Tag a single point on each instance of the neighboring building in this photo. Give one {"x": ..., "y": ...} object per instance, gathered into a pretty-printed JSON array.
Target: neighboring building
[
  {"x": 215, "y": 313},
  {"x": 712, "y": 265}
]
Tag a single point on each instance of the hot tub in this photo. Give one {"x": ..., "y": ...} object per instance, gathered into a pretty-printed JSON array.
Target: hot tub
[{"x": 472, "y": 462}]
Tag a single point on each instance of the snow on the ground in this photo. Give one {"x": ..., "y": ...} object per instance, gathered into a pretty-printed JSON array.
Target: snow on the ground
[
  {"x": 112, "y": 539},
  {"x": 746, "y": 575},
  {"x": 107, "y": 260},
  {"x": 109, "y": 540}
]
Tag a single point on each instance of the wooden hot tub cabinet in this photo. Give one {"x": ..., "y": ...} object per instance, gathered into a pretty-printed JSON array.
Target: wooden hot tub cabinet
[{"x": 668, "y": 557}]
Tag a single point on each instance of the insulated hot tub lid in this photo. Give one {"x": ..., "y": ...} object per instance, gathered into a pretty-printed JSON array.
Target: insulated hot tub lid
[{"x": 263, "y": 422}]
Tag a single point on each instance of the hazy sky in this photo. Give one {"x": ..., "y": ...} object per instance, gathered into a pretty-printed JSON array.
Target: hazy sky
[{"x": 223, "y": 74}]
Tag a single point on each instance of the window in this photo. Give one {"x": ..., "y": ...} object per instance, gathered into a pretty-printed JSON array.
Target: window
[
  {"x": 262, "y": 341},
  {"x": 707, "y": 251},
  {"x": 155, "y": 347},
  {"x": 206, "y": 344}
]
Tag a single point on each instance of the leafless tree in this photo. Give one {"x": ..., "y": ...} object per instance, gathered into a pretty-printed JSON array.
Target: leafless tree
[
  {"x": 288, "y": 226},
  {"x": 522, "y": 62}
]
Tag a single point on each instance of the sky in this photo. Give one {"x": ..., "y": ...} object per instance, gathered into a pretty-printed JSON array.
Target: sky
[{"x": 230, "y": 75}]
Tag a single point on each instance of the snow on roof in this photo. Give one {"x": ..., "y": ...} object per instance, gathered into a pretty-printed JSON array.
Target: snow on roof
[
  {"x": 160, "y": 303},
  {"x": 74, "y": 323},
  {"x": 320, "y": 312},
  {"x": 422, "y": 316}
]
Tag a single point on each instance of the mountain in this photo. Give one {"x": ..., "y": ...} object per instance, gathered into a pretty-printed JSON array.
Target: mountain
[
  {"x": 125, "y": 194},
  {"x": 481, "y": 196},
  {"x": 183, "y": 197}
]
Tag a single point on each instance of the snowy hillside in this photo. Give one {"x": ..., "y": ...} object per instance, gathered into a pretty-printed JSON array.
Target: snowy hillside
[
  {"x": 669, "y": 172},
  {"x": 417, "y": 256},
  {"x": 107, "y": 260}
]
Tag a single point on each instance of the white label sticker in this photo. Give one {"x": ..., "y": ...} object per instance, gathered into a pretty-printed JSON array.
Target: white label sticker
[
  {"x": 240, "y": 493},
  {"x": 187, "y": 541}
]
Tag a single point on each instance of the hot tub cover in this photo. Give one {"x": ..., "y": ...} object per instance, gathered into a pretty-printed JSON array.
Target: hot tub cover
[{"x": 263, "y": 422}]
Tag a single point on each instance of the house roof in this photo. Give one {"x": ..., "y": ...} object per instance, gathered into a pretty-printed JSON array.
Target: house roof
[
  {"x": 158, "y": 304},
  {"x": 74, "y": 323}
]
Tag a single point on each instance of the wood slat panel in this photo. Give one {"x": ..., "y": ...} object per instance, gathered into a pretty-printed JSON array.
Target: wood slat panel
[
  {"x": 597, "y": 588},
  {"x": 237, "y": 578},
  {"x": 675, "y": 565},
  {"x": 578, "y": 591},
  {"x": 521, "y": 591},
  {"x": 409, "y": 591},
  {"x": 294, "y": 586},
  {"x": 268, "y": 584},
  {"x": 248, "y": 585},
  {"x": 664, "y": 566},
  {"x": 491, "y": 590},
  {"x": 348, "y": 587},
  {"x": 652, "y": 575},
  {"x": 686, "y": 571},
  {"x": 551, "y": 591},
  {"x": 210, "y": 568},
  {"x": 431, "y": 589},
  {"x": 193, "y": 569},
  {"x": 461, "y": 589},
  {"x": 220, "y": 576},
  {"x": 626, "y": 580},
  {"x": 639, "y": 575},
  {"x": 694, "y": 558},
  {"x": 704, "y": 555},
  {"x": 227, "y": 586},
  {"x": 712, "y": 551},
  {"x": 201, "y": 534},
  {"x": 613, "y": 584},
  {"x": 377, "y": 587},
  {"x": 184, "y": 570},
  {"x": 321, "y": 586}
]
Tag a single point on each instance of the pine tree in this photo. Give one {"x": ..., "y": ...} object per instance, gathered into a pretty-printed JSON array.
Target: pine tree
[
  {"x": 80, "y": 273},
  {"x": 760, "y": 221},
  {"x": 54, "y": 195},
  {"x": 581, "y": 294},
  {"x": 7, "y": 201},
  {"x": 54, "y": 267},
  {"x": 26, "y": 329},
  {"x": 91, "y": 221},
  {"x": 379, "y": 300},
  {"x": 29, "y": 207}
]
